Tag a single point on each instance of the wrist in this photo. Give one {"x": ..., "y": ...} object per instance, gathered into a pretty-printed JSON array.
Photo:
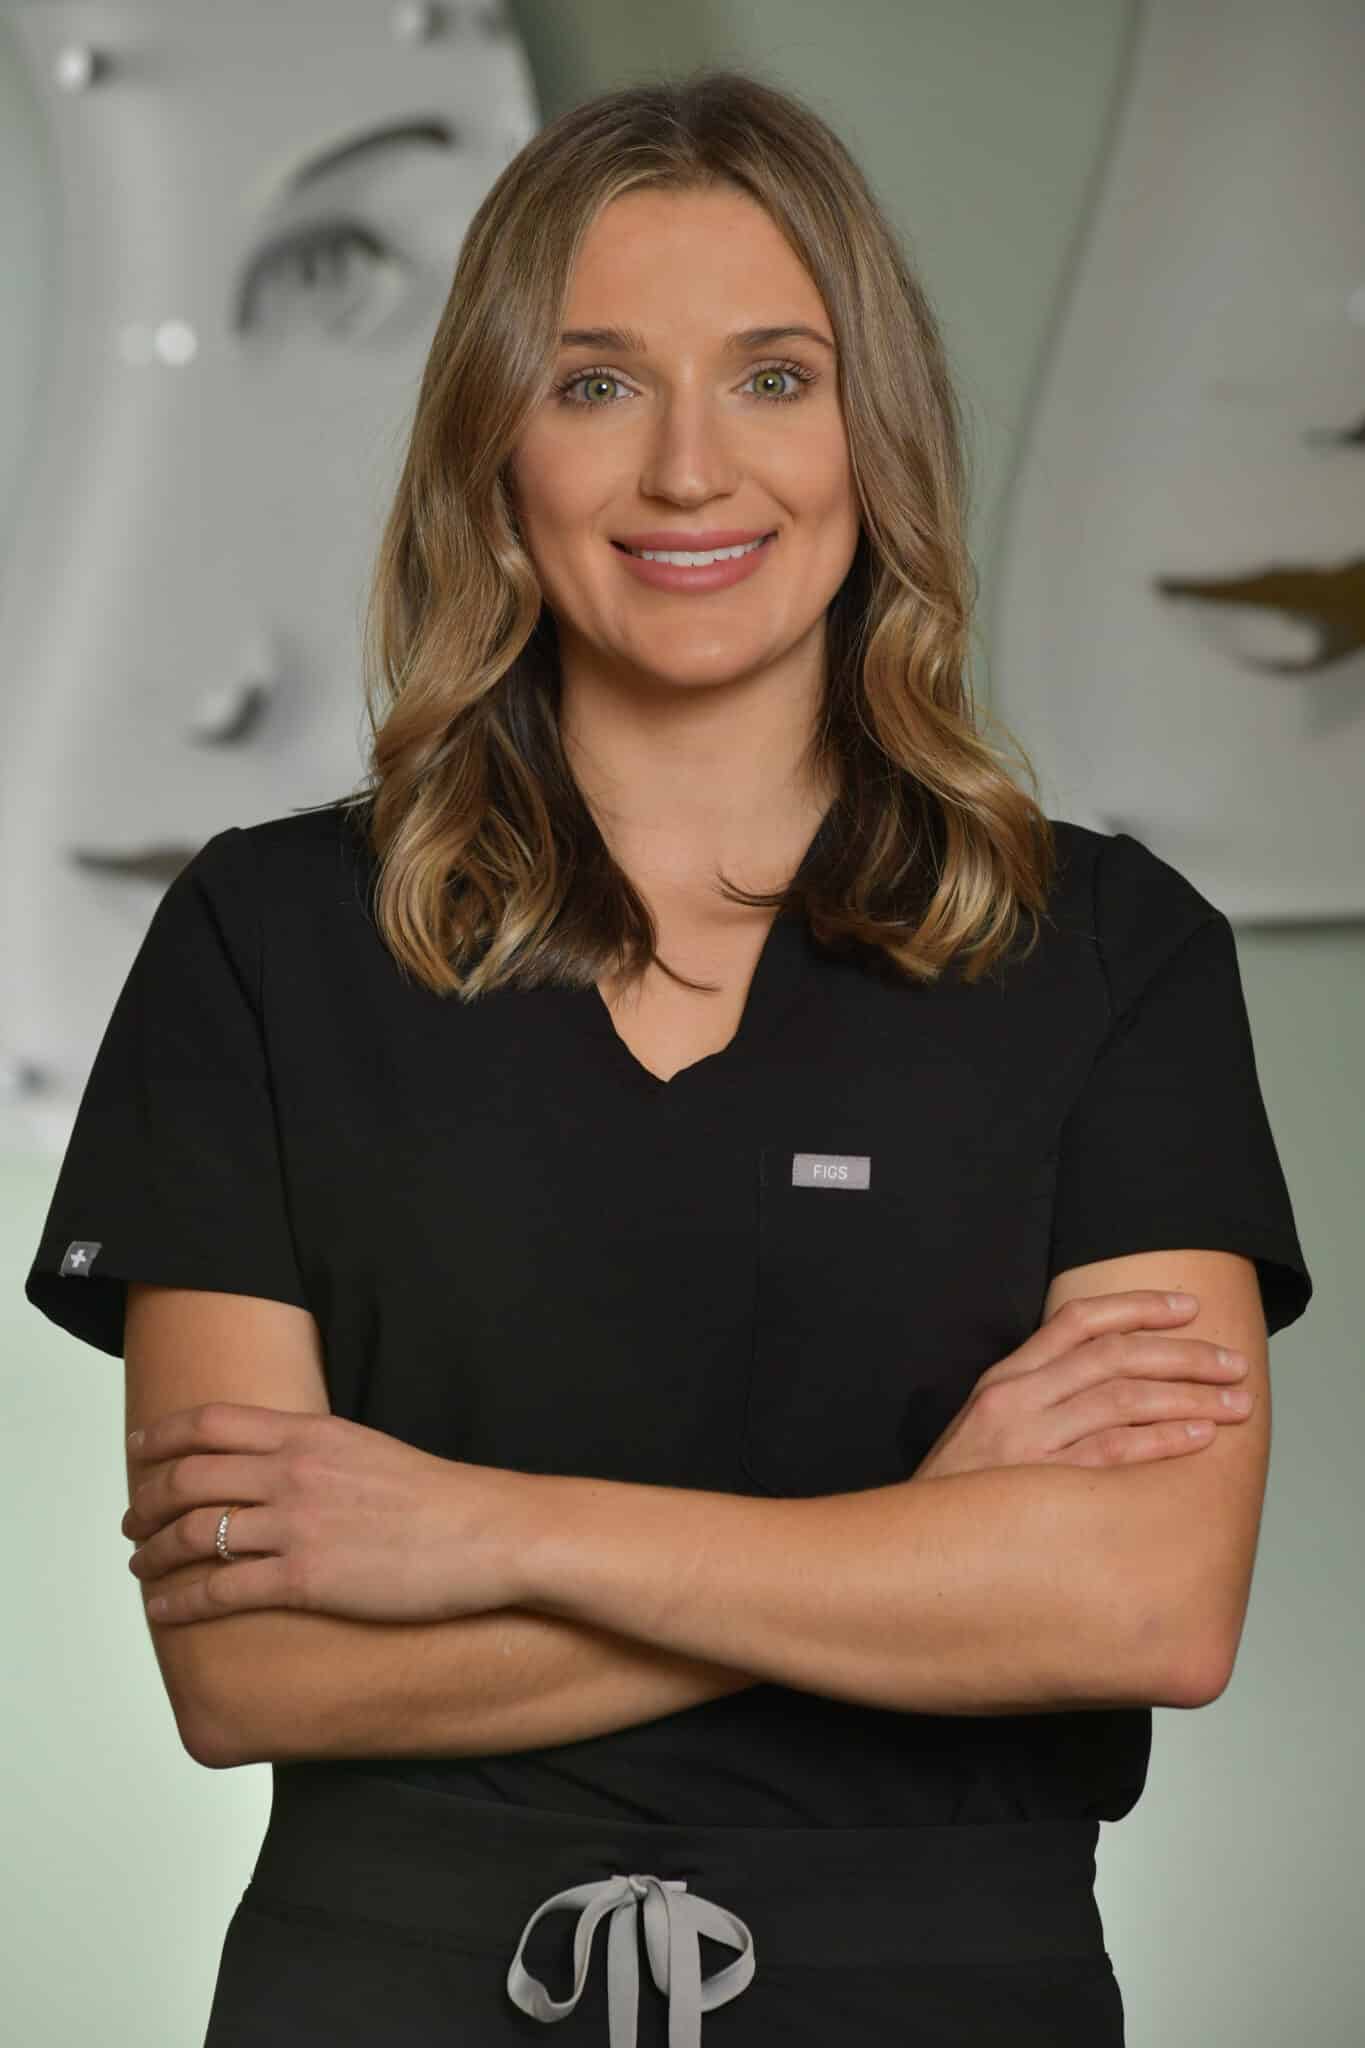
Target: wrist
[
  {"x": 551, "y": 1534},
  {"x": 511, "y": 1524}
]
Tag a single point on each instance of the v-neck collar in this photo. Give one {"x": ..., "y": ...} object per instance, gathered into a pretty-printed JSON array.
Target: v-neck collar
[
  {"x": 785, "y": 957},
  {"x": 773, "y": 988}
]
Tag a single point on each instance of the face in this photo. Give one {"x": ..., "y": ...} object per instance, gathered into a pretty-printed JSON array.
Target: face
[
  {"x": 678, "y": 428},
  {"x": 216, "y": 439}
]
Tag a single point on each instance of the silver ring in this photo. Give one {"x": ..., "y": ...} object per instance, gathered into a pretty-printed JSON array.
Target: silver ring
[{"x": 228, "y": 1556}]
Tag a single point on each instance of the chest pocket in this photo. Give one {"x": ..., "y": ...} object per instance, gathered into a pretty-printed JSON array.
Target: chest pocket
[{"x": 877, "y": 1307}]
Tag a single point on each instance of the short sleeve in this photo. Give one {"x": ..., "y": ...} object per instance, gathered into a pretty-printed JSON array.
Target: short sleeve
[
  {"x": 1168, "y": 1145},
  {"x": 172, "y": 1170}
]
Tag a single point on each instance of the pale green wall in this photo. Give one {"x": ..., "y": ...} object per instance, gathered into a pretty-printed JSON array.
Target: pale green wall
[{"x": 1229, "y": 1895}]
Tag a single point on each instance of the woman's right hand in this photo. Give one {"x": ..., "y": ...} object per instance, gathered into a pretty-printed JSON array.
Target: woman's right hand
[{"x": 1099, "y": 1383}]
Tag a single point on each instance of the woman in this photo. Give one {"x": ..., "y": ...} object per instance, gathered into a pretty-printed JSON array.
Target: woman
[{"x": 544, "y": 1391}]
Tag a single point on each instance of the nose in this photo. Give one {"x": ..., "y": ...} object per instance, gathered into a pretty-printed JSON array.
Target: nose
[{"x": 693, "y": 451}]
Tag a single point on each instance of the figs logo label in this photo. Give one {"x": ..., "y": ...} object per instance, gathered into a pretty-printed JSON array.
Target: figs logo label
[{"x": 831, "y": 1170}]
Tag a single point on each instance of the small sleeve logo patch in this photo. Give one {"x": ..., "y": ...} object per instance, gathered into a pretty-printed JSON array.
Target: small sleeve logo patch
[
  {"x": 80, "y": 1256},
  {"x": 831, "y": 1169}
]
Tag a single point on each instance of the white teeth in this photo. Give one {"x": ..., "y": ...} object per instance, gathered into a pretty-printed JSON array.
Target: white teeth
[{"x": 696, "y": 561}]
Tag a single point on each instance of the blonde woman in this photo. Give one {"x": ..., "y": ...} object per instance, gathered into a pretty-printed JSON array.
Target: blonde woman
[{"x": 653, "y": 1243}]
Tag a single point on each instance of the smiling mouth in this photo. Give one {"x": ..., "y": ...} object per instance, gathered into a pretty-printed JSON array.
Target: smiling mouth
[{"x": 696, "y": 557}]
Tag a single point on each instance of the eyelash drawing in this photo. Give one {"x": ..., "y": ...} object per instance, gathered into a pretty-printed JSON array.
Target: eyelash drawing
[
  {"x": 797, "y": 370},
  {"x": 342, "y": 270}
]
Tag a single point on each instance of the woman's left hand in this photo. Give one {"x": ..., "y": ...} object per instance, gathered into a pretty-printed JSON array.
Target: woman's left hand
[{"x": 328, "y": 1516}]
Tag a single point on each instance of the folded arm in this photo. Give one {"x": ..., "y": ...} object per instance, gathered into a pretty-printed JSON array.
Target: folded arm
[
  {"x": 296, "y": 1685},
  {"x": 986, "y": 1592},
  {"x": 1031, "y": 1588},
  {"x": 278, "y": 1684},
  {"x": 966, "y": 1595},
  {"x": 991, "y": 1592}
]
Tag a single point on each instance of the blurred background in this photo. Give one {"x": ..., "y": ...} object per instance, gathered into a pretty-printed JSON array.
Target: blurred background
[{"x": 226, "y": 234}]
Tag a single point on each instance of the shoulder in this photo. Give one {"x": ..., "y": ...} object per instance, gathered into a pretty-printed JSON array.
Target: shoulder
[
  {"x": 1125, "y": 904},
  {"x": 268, "y": 887},
  {"x": 301, "y": 858},
  {"x": 288, "y": 850}
]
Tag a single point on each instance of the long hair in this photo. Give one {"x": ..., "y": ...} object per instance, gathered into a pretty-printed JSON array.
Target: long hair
[{"x": 490, "y": 868}]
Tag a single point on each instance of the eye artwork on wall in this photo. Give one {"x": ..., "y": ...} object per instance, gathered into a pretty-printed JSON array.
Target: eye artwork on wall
[
  {"x": 1179, "y": 632},
  {"x": 256, "y": 215}
]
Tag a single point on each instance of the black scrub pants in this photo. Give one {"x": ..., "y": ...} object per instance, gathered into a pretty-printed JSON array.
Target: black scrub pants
[{"x": 384, "y": 1915}]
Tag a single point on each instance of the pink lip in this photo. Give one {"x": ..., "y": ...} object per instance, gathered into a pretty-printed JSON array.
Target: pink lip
[
  {"x": 709, "y": 576},
  {"x": 696, "y": 543}
]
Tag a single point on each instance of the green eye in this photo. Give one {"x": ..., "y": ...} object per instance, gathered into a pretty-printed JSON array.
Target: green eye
[
  {"x": 565, "y": 389},
  {"x": 586, "y": 377}
]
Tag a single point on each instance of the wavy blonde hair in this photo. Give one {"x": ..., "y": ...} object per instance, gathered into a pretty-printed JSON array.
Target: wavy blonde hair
[{"x": 491, "y": 871}]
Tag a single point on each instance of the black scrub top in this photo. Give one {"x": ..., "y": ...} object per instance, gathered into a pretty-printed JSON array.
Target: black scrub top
[{"x": 779, "y": 1273}]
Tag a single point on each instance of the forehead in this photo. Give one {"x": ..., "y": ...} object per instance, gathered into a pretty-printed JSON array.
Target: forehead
[{"x": 683, "y": 252}]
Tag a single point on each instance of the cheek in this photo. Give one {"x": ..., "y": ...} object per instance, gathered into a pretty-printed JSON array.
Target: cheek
[
  {"x": 815, "y": 483},
  {"x": 575, "y": 569},
  {"x": 552, "y": 485},
  {"x": 558, "y": 522},
  {"x": 830, "y": 515},
  {"x": 815, "y": 462},
  {"x": 839, "y": 508}
]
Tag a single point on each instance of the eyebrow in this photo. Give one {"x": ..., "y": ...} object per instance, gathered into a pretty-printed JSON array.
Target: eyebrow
[
  {"x": 393, "y": 136},
  {"x": 627, "y": 342}
]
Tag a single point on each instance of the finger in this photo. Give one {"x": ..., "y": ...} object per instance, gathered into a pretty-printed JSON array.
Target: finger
[
  {"x": 227, "y": 1589},
  {"x": 194, "y": 1537},
  {"x": 1132, "y": 1405},
  {"x": 1087, "y": 1317},
  {"x": 1139, "y": 1446},
  {"x": 171, "y": 1547},
  {"x": 1122, "y": 1355},
  {"x": 215, "y": 1426},
  {"x": 180, "y": 1484}
]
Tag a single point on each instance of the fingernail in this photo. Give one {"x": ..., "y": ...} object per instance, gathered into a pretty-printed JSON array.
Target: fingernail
[
  {"x": 1183, "y": 1300},
  {"x": 135, "y": 1439}
]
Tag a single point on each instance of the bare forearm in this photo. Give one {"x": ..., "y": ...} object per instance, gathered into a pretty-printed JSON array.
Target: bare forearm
[
  {"x": 990, "y": 1592},
  {"x": 312, "y": 1685}
]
